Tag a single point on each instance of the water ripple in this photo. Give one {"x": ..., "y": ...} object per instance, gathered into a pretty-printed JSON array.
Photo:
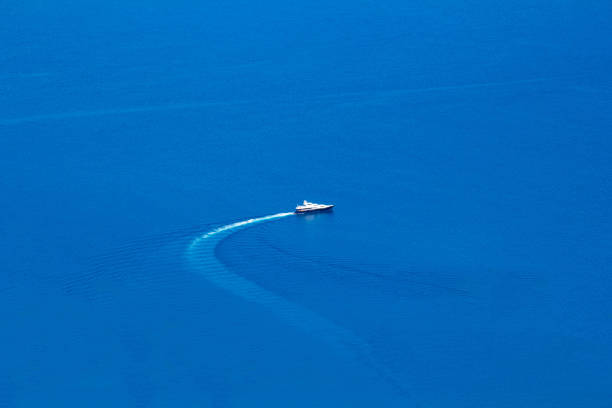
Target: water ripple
[{"x": 201, "y": 255}]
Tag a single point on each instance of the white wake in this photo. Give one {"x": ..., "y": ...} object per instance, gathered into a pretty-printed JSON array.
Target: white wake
[{"x": 201, "y": 255}]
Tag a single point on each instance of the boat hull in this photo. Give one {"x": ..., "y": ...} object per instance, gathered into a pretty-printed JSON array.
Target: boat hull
[{"x": 312, "y": 210}]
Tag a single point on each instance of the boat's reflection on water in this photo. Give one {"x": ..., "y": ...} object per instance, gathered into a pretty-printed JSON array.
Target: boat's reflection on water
[{"x": 315, "y": 215}]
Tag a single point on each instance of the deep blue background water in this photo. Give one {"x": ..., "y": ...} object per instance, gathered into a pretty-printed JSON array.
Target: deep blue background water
[{"x": 466, "y": 145}]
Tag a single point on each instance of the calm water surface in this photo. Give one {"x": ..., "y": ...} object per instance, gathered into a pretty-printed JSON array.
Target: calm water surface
[{"x": 467, "y": 148}]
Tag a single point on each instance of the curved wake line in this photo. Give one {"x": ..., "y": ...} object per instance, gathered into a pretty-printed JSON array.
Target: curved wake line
[
  {"x": 201, "y": 255},
  {"x": 238, "y": 225}
]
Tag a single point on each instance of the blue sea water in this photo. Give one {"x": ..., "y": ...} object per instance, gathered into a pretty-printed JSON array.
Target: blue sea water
[{"x": 466, "y": 145}]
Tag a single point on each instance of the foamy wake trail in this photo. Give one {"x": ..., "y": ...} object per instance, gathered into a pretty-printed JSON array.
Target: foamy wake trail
[{"x": 201, "y": 255}]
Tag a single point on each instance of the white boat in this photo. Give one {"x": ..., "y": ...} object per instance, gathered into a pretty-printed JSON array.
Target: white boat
[{"x": 307, "y": 207}]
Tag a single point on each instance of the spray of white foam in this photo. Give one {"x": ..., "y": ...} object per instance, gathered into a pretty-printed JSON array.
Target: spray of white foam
[
  {"x": 237, "y": 225},
  {"x": 201, "y": 255}
]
